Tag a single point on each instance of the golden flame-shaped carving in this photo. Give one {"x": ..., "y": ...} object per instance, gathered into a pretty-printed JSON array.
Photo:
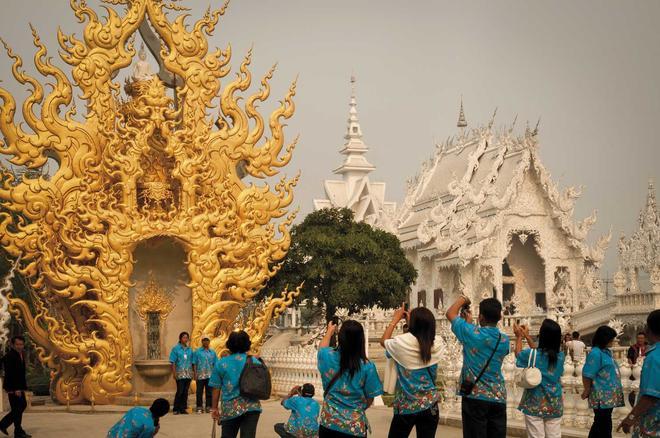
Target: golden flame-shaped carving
[
  {"x": 131, "y": 169},
  {"x": 153, "y": 299}
]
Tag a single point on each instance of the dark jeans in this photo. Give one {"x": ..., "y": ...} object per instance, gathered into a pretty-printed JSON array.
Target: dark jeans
[
  {"x": 181, "y": 396},
  {"x": 425, "y": 424},
  {"x": 602, "y": 427},
  {"x": 324, "y": 432},
  {"x": 246, "y": 423},
  {"x": 483, "y": 419},
  {"x": 202, "y": 386},
  {"x": 281, "y": 431},
  {"x": 17, "y": 405}
]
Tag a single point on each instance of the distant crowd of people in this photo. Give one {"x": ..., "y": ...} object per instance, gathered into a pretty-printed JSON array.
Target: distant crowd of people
[{"x": 230, "y": 388}]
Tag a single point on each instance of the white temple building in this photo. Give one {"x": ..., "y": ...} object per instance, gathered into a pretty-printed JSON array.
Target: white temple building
[
  {"x": 483, "y": 217},
  {"x": 355, "y": 191}
]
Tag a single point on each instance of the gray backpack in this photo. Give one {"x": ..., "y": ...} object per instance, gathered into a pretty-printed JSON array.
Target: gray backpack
[{"x": 254, "y": 383}]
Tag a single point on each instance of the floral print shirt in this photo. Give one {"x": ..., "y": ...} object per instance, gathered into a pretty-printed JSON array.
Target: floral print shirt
[
  {"x": 478, "y": 344},
  {"x": 545, "y": 400},
  {"x": 204, "y": 361},
  {"x": 606, "y": 389},
  {"x": 182, "y": 357},
  {"x": 136, "y": 423},
  {"x": 649, "y": 385},
  {"x": 225, "y": 376},
  {"x": 345, "y": 404},
  {"x": 303, "y": 422},
  {"x": 415, "y": 389}
]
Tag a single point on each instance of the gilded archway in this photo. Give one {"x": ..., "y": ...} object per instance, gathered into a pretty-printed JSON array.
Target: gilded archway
[{"x": 134, "y": 167}]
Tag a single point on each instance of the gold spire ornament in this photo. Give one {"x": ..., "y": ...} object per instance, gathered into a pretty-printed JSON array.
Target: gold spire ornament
[{"x": 134, "y": 168}]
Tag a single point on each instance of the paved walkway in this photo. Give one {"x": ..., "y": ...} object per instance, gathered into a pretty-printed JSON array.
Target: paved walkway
[{"x": 46, "y": 423}]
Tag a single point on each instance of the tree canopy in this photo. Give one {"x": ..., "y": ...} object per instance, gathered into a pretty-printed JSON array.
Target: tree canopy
[{"x": 344, "y": 263}]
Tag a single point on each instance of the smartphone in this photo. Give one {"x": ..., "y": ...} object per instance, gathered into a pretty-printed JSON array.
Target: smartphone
[
  {"x": 406, "y": 306},
  {"x": 335, "y": 320}
]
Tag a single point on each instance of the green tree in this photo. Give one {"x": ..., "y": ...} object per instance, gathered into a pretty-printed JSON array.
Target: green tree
[{"x": 344, "y": 263}]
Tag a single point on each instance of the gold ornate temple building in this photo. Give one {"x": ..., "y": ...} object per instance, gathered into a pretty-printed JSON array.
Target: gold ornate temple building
[{"x": 147, "y": 227}]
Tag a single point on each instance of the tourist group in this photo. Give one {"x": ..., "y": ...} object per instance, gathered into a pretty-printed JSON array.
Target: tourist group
[{"x": 230, "y": 388}]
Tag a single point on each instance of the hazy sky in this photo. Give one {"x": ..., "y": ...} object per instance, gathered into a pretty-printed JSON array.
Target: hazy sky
[{"x": 589, "y": 69}]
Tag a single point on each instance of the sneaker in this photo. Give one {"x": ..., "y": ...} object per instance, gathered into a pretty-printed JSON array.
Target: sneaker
[
  {"x": 199, "y": 410},
  {"x": 176, "y": 412},
  {"x": 185, "y": 412},
  {"x": 208, "y": 410}
]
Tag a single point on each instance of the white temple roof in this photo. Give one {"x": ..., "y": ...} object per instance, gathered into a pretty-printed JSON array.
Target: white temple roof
[
  {"x": 355, "y": 190},
  {"x": 454, "y": 205}
]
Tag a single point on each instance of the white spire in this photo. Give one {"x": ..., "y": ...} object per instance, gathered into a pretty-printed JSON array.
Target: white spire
[
  {"x": 462, "y": 123},
  {"x": 355, "y": 164},
  {"x": 353, "y": 130}
]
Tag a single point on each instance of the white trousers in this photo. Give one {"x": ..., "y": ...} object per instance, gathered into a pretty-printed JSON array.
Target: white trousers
[{"x": 538, "y": 427}]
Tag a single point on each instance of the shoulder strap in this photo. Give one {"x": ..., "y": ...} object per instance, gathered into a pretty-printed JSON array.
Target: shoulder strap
[
  {"x": 331, "y": 383},
  {"x": 497, "y": 344}
]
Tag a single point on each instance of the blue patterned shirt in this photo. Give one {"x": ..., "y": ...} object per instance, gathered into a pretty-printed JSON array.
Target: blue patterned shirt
[
  {"x": 415, "y": 389},
  {"x": 545, "y": 400},
  {"x": 204, "y": 361},
  {"x": 303, "y": 422},
  {"x": 136, "y": 423},
  {"x": 649, "y": 385},
  {"x": 478, "y": 344},
  {"x": 602, "y": 369},
  {"x": 345, "y": 405},
  {"x": 182, "y": 358},
  {"x": 226, "y": 376}
]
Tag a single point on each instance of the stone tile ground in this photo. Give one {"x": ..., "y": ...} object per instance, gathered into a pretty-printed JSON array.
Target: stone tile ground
[{"x": 50, "y": 423}]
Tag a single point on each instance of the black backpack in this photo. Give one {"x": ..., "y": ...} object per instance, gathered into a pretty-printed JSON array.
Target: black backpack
[{"x": 254, "y": 382}]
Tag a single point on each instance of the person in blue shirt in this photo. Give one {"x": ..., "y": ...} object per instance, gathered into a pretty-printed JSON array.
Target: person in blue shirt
[
  {"x": 204, "y": 360},
  {"x": 303, "y": 422},
  {"x": 483, "y": 402},
  {"x": 602, "y": 382},
  {"x": 543, "y": 405},
  {"x": 181, "y": 358},
  {"x": 140, "y": 422},
  {"x": 350, "y": 382},
  {"x": 415, "y": 395},
  {"x": 644, "y": 418},
  {"x": 236, "y": 412}
]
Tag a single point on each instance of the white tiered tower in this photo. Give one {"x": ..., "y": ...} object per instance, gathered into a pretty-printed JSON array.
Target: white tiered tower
[{"x": 365, "y": 198}]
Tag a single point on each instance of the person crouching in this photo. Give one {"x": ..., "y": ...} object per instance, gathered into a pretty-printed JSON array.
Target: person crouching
[{"x": 303, "y": 422}]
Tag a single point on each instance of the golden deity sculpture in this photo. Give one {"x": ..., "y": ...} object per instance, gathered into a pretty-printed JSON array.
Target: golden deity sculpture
[{"x": 133, "y": 168}]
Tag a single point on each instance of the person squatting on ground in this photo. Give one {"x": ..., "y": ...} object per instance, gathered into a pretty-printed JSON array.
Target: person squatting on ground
[
  {"x": 204, "y": 360},
  {"x": 15, "y": 385},
  {"x": 602, "y": 382},
  {"x": 416, "y": 358},
  {"x": 542, "y": 405},
  {"x": 181, "y": 358},
  {"x": 236, "y": 413},
  {"x": 644, "y": 419},
  {"x": 350, "y": 382},
  {"x": 483, "y": 402},
  {"x": 303, "y": 422},
  {"x": 140, "y": 422}
]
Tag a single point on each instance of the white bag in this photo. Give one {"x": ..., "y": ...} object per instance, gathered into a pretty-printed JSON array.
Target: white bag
[{"x": 530, "y": 377}]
